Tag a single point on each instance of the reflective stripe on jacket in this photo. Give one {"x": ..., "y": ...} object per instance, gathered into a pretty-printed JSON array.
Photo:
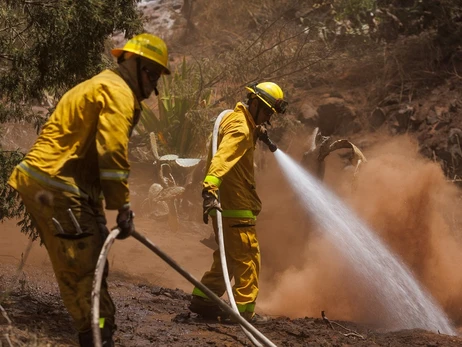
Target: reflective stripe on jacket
[
  {"x": 231, "y": 170},
  {"x": 84, "y": 144}
]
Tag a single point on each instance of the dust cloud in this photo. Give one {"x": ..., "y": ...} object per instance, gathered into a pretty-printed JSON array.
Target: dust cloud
[{"x": 402, "y": 196}]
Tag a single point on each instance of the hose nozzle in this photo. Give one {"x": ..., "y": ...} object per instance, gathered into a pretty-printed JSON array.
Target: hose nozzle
[{"x": 267, "y": 141}]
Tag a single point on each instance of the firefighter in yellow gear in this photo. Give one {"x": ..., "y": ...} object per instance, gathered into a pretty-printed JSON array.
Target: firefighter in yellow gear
[
  {"x": 230, "y": 176},
  {"x": 80, "y": 161}
]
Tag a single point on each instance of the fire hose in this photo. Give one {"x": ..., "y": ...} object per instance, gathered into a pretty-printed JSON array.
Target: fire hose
[
  {"x": 256, "y": 337},
  {"x": 221, "y": 243},
  {"x": 95, "y": 301}
]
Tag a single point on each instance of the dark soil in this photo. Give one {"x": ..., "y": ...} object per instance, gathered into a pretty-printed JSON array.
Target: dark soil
[{"x": 154, "y": 316}]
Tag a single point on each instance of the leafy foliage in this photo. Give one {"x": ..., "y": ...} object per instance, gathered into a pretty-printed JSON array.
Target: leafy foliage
[
  {"x": 46, "y": 47},
  {"x": 388, "y": 19},
  {"x": 10, "y": 206}
]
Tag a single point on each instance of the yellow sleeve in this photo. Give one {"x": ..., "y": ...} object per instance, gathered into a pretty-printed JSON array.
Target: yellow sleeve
[
  {"x": 235, "y": 141},
  {"x": 112, "y": 137}
]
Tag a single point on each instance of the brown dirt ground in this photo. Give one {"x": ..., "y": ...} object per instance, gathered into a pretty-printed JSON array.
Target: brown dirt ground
[{"x": 151, "y": 315}]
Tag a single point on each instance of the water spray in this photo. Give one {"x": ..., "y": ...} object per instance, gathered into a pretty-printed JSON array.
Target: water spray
[{"x": 408, "y": 305}]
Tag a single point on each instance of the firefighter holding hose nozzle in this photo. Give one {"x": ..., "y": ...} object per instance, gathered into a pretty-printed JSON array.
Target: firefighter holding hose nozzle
[{"x": 229, "y": 186}]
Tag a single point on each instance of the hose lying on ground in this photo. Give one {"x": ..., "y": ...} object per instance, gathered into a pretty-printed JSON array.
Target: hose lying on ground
[
  {"x": 96, "y": 289},
  {"x": 95, "y": 301}
]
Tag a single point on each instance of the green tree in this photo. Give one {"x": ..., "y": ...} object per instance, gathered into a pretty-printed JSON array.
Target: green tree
[{"x": 46, "y": 47}]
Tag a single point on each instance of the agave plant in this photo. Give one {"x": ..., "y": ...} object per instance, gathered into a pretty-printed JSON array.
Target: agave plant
[
  {"x": 177, "y": 132},
  {"x": 182, "y": 117}
]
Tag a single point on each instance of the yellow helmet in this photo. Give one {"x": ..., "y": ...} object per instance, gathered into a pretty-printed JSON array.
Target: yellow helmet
[
  {"x": 271, "y": 94},
  {"x": 147, "y": 46}
]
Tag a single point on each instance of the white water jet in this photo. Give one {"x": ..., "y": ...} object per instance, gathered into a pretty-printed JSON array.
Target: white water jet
[{"x": 408, "y": 305}]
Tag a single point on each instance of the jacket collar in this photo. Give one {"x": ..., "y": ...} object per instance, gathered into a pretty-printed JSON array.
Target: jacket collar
[
  {"x": 243, "y": 108},
  {"x": 137, "y": 102}
]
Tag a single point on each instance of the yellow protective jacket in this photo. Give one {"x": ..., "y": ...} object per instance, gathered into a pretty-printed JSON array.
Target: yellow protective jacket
[
  {"x": 83, "y": 147},
  {"x": 231, "y": 170}
]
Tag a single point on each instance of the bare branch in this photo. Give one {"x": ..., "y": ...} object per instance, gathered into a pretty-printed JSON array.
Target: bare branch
[
  {"x": 263, "y": 33},
  {"x": 5, "y": 315},
  {"x": 50, "y": 3},
  {"x": 7, "y": 334},
  {"x": 18, "y": 271},
  {"x": 329, "y": 323},
  {"x": 277, "y": 44},
  {"x": 326, "y": 320}
]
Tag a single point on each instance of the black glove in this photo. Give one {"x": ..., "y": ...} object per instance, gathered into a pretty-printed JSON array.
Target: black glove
[
  {"x": 261, "y": 131},
  {"x": 262, "y": 134},
  {"x": 210, "y": 203},
  {"x": 125, "y": 223}
]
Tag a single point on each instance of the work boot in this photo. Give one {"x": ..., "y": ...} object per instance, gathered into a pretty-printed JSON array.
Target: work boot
[
  {"x": 86, "y": 338},
  {"x": 205, "y": 308},
  {"x": 255, "y": 319},
  {"x": 251, "y": 317}
]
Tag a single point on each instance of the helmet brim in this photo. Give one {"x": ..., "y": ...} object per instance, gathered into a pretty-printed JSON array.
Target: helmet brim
[
  {"x": 250, "y": 89},
  {"x": 117, "y": 52}
]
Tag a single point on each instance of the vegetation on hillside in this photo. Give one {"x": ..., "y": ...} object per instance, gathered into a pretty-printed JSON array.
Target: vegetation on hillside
[{"x": 47, "y": 47}]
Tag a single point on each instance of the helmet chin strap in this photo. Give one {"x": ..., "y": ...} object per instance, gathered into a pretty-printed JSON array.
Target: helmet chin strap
[
  {"x": 255, "y": 117},
  {"x": 139, "y": 77},
  {"x": 258, "y": 111}
]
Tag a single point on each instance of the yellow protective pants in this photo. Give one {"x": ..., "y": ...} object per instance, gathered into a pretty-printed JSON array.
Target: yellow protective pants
[
  {"x": 73, "y": 259},
  {"x": 243, "y": 260}
]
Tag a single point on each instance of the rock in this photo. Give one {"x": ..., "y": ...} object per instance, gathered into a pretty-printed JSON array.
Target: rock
[
  {"x": 377, "y": 118},
  {"x": 336, "y": 95},
  {"x": 455, "y": 136},
  {"x": 444, "y": 154},
  {"x": 441, "y": 111},
  {"x": 432, "y": 118},
  {"x": 335, "y": 117},
  {"x": 403, "y": 117},
  {"x": 353, "y": 127},
  {"x": 456, "y": 154},
  {"x": 454, "y": 105},
  {"x": 308, "y": 114}
]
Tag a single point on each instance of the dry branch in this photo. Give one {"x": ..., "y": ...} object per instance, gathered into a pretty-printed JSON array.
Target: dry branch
[
  {"x": 21, "y": 264},
  {"x": 350, "y": 332},
  {"x": 5, "y": 315},
  {"x": 326, "y": 320},
  {"x": 7, "y": 334}
]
